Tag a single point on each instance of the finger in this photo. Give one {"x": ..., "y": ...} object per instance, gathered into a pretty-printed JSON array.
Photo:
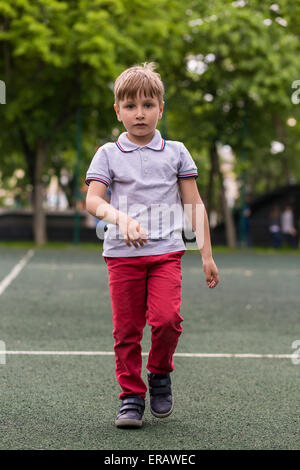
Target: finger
[
  {"x": 213, "y": 283},
  {"x": 127, "y": 242},
  {"x": 142, "y": 241},
  {"x": 138, "y": 242},
  {"x": 134, "y": 242},
  {"x": 134, "y": 238}
]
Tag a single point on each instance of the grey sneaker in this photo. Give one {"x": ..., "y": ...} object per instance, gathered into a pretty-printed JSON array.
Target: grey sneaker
[
  {"x": 161, "y": 398},
  {"x": 131, "y": 412}
]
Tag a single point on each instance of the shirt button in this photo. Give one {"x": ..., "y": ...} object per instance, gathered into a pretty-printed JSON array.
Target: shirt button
[
  {"x": 146, "y": 171},
  {"x": 145, "y": 159}
]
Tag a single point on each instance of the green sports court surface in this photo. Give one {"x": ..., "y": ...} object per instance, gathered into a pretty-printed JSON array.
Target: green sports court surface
[{"x": 236, "y": 380}]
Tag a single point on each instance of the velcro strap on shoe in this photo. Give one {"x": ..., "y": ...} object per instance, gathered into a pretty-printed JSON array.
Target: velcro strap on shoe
[
  {"x": 135, "y": 402},
  {"x": 131, "y": 406},
  {"x": 160, "y": 390},
  {"x": 160, "y": 382}
]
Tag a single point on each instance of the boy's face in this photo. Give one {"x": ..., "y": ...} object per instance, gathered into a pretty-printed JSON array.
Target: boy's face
[{"x": 139, "y": 116}]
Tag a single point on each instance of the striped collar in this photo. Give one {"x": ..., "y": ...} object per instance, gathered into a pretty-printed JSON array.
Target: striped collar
[{"x": 125, "y": 145}]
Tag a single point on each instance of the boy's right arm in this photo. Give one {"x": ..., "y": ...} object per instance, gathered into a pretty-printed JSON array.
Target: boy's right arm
[{"x": 98, "y": 207}]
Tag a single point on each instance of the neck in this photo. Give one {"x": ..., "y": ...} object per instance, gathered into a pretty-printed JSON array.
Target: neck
[{"x": 142, "y": 140}]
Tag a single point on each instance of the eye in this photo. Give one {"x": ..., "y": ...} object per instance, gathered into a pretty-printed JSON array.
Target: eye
[
  {"x": 148, "y": 105},
  {"x": 129, "y": 106}
]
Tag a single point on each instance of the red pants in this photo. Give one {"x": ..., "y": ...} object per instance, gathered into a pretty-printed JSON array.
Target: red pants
[{"x": 144, "y": 288}]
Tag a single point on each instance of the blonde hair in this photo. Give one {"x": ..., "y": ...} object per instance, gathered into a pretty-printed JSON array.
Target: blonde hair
[{"x": 139, "y": 79}]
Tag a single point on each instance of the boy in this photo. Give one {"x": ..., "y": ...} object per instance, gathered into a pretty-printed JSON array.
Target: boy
[{"x": 142, "y": 253}]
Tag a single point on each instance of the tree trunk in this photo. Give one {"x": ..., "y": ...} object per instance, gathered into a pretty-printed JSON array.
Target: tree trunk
[
  {"x": 29, "y": 154},
  {"x": 39, "y": 217},
  {"x": 210, "y": 189},
  {"x": 228, "y": 219}
]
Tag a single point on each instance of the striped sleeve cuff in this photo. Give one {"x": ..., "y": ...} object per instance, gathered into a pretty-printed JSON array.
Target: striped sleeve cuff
[
  {"x": 96, "y": 178},
  {"x": 191, "y": 174}
]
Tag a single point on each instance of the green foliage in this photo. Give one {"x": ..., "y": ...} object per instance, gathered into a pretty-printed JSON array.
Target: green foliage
[
  {"x": 57, "y": 55},
  {"x": 62, "y": 54},
  {"x": 248, "y": 66}
]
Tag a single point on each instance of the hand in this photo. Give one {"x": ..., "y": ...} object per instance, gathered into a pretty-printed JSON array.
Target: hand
[
  {"x": 211, "y": 272},
  {"x": 132, "y": 231}
]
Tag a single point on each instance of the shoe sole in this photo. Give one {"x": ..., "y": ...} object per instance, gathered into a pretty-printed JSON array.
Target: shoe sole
[
  {"x": 162, "y": 415},
  {"x": 128, "y": 423}
]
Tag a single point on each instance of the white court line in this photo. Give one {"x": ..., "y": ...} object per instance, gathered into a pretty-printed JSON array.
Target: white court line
[
  {"x": 15, "y": 271},
  {"x": 111, "y": 353}
]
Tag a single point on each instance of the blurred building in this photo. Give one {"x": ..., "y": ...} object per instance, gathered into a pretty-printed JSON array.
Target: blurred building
[{"x": 260, "y": 209}]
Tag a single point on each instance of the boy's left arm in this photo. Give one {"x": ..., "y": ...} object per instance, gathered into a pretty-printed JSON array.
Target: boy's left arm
[{"x": 196, "y": 213}]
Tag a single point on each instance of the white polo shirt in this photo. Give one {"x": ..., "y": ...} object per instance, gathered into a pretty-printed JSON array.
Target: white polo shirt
[{"x": 144, "y": 184}]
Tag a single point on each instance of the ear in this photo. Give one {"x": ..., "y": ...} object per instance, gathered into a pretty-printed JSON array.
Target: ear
[
  {"x": 116, "y": 108},
  {"x": 161, "y": 108}
]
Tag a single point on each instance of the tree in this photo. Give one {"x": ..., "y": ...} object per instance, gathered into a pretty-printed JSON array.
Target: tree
[
  {"x": 59, "y": 55},
  {"x": 238, "y": 83}
]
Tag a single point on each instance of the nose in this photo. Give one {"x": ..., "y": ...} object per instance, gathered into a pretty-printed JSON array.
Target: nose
[{"x": 140, "y": 113}]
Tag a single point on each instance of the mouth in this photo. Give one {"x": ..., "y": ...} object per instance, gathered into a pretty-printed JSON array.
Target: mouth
[{"x": 140, "y": 125}]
